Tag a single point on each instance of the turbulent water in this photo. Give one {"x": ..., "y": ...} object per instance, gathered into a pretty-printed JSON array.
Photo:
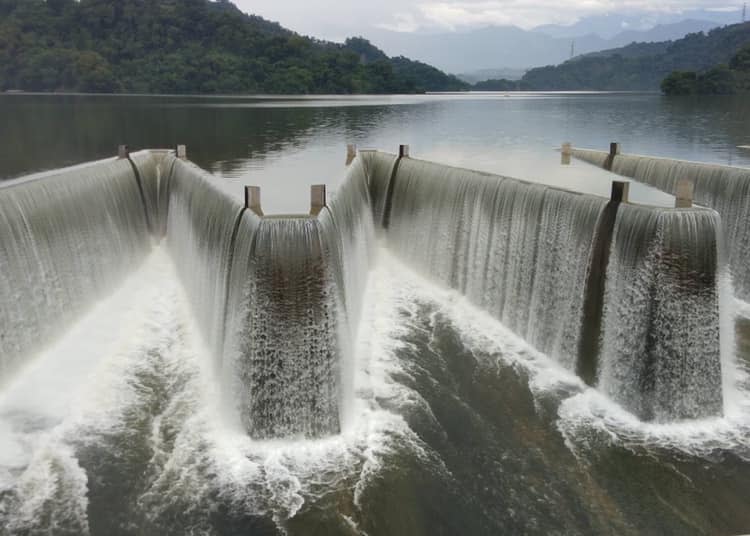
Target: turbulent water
[
  {"x": 661, "y": 350},
  {"x": 517, "y": 250},
  {"x": 279, "y": 299},
  {"x": 56, "y": 258},
  {"x": 290, "y": 375},
  {"x": 726, "y": 189}
]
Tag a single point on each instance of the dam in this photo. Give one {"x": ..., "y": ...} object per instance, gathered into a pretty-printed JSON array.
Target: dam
[
  {"x": 627, "y": 296},
  {"x": 610, "y": 312}
]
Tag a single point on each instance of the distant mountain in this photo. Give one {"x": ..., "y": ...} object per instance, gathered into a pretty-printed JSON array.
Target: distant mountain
[
  {"x": 641, "y": 66},
  {"x": 609, "y": 25},
  {"x": 510, "y": 47},
  {"x": 187, "y": 46},
  {"x": 492, "y": 74}
]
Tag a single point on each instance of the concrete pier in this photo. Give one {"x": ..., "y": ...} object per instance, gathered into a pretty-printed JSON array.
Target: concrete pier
[
  {"x": 351, "y": 153},
  {"x": 684, "y": 194},
  {"x": 403, "y": 152},
  {"x": 317, "y": 198},
  {"x": 593, "y": 305},
  {"x": 566, "y": 153},
  {"x": 123, "y": 152},
  {"x": 614, "y": 150},
  {"x": 181, "y": 152},
  {"x": 252, "y": 199}
]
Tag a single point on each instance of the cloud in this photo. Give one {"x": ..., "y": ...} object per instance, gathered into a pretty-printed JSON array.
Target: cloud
[
  {"x": 455, "y": 14},
  {"x": 336, "y": 19}
]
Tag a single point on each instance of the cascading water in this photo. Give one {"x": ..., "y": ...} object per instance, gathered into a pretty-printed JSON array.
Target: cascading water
[
  {"x": 348, "y": 236},
  {"x": 725, "y": 189},
  {"x": 153, "y": 169},
  {"x": 661, "y": 343},
  {"x": 200, "y": 230},
  {"x": 279, "y": 298},
  {"x": 57, "y": 258},
  {"x": 518, "y": 250},
  {"x": 288, "y": 349},
  {"x": 378, "y": 168}
]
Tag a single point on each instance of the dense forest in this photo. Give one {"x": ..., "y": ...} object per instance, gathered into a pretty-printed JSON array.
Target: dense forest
[
  {"x": 187, "y": 46},
  {"x": 641, "y": 66},
  {"x": 721, "y": 80}
]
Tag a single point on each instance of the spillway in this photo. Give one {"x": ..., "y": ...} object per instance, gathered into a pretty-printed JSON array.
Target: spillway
[
  {"x": 725, "y": 189},
  {"x": 278, "y": 298},
  {"x": 623, "y": 294},
  {"x": 531, "y": 255},
  {"x": 67, "y": 238}
]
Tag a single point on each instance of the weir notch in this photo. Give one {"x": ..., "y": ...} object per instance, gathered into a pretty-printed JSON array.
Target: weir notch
[
  {"x": 351, "y": 153},
  {"x": 252, "y": 199},
  {"x": 123, "y": 151},
  {"x": 181, "y": 152},
  {"x": 684, "y": 194},
  {"x": 317, "y": 198}
]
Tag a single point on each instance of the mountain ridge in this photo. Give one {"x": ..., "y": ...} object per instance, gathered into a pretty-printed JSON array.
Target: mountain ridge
[
  {"x": 188, "y": 46},
  {"x": 509, "y": 47},
  {"x": 641, "y": 66}
]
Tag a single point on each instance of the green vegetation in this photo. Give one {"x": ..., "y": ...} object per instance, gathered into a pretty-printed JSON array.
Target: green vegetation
[
  {"x": 187, "y": 46},
  {"x": 643, "y": 66},
  {"x": 501, "y": 84},
  {"x": 721, "y": 80}
]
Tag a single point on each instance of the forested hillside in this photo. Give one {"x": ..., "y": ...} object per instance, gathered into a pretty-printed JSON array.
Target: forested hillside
[
  {"x": 642, "y": 66},
  {"x": 187, "y": 46},
  {"x": 721, "y": 80}
]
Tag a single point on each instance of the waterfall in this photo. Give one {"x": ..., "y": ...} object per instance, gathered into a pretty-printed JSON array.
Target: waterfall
[
  {"x": 518, "y": 250},
  {"x": 661, "y": 351},
  {"x": 348, "y": 235},
  {"x": 278, "y": 298},
  {"x": 532, "y": 256},
  {"x": 67, "y": 238},
  {"x": 288, "y": 347},
  {"x": 725, "y": 189},
  {"x": 153, "y": 169},
  {"x": 378, "y": 168},
  {"x": 200, "y": 226}
]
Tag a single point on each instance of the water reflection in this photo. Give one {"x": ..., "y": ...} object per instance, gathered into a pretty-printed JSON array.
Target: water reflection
[{"x": 285, "y": 144}]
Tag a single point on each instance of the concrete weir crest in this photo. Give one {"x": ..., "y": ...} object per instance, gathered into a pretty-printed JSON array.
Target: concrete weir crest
[{"x": 494, "y": 234}]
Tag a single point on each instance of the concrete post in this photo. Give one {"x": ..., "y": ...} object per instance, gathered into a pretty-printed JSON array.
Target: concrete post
[
  {"x": 614, "y": 150},
  {"x": 567, "y": 152},
  {"x": 351, "y": 153},
  {"x": 684, "y": 194},
  {"x": 252, "y": 199},
  {"x": 620, "y": 192},
  {"x": 123, "y": 151},
  {"x": 403, "y": 151},
  {"x": 317, "y": 198},
  {"x": 182, "y": 152}
]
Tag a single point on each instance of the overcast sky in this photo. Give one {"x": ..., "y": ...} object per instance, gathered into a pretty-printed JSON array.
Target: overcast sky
[{"x": 337, "y": 19}]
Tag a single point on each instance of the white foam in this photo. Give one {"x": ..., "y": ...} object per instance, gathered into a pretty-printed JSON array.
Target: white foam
[{"x": 585, "y": 412}]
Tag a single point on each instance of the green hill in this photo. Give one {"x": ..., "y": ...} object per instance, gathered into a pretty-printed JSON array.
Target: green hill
[
  {"x": 642, "y": 66},
  {"x": 721, "y": 80},
  {"x": 187, "y": 46}
]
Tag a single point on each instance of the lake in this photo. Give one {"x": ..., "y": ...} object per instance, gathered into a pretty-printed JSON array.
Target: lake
[{"x": 285, "y": 144}]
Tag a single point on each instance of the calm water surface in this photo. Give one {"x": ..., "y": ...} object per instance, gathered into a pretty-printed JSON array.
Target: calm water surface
[{"x": 285, "y": 144}]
